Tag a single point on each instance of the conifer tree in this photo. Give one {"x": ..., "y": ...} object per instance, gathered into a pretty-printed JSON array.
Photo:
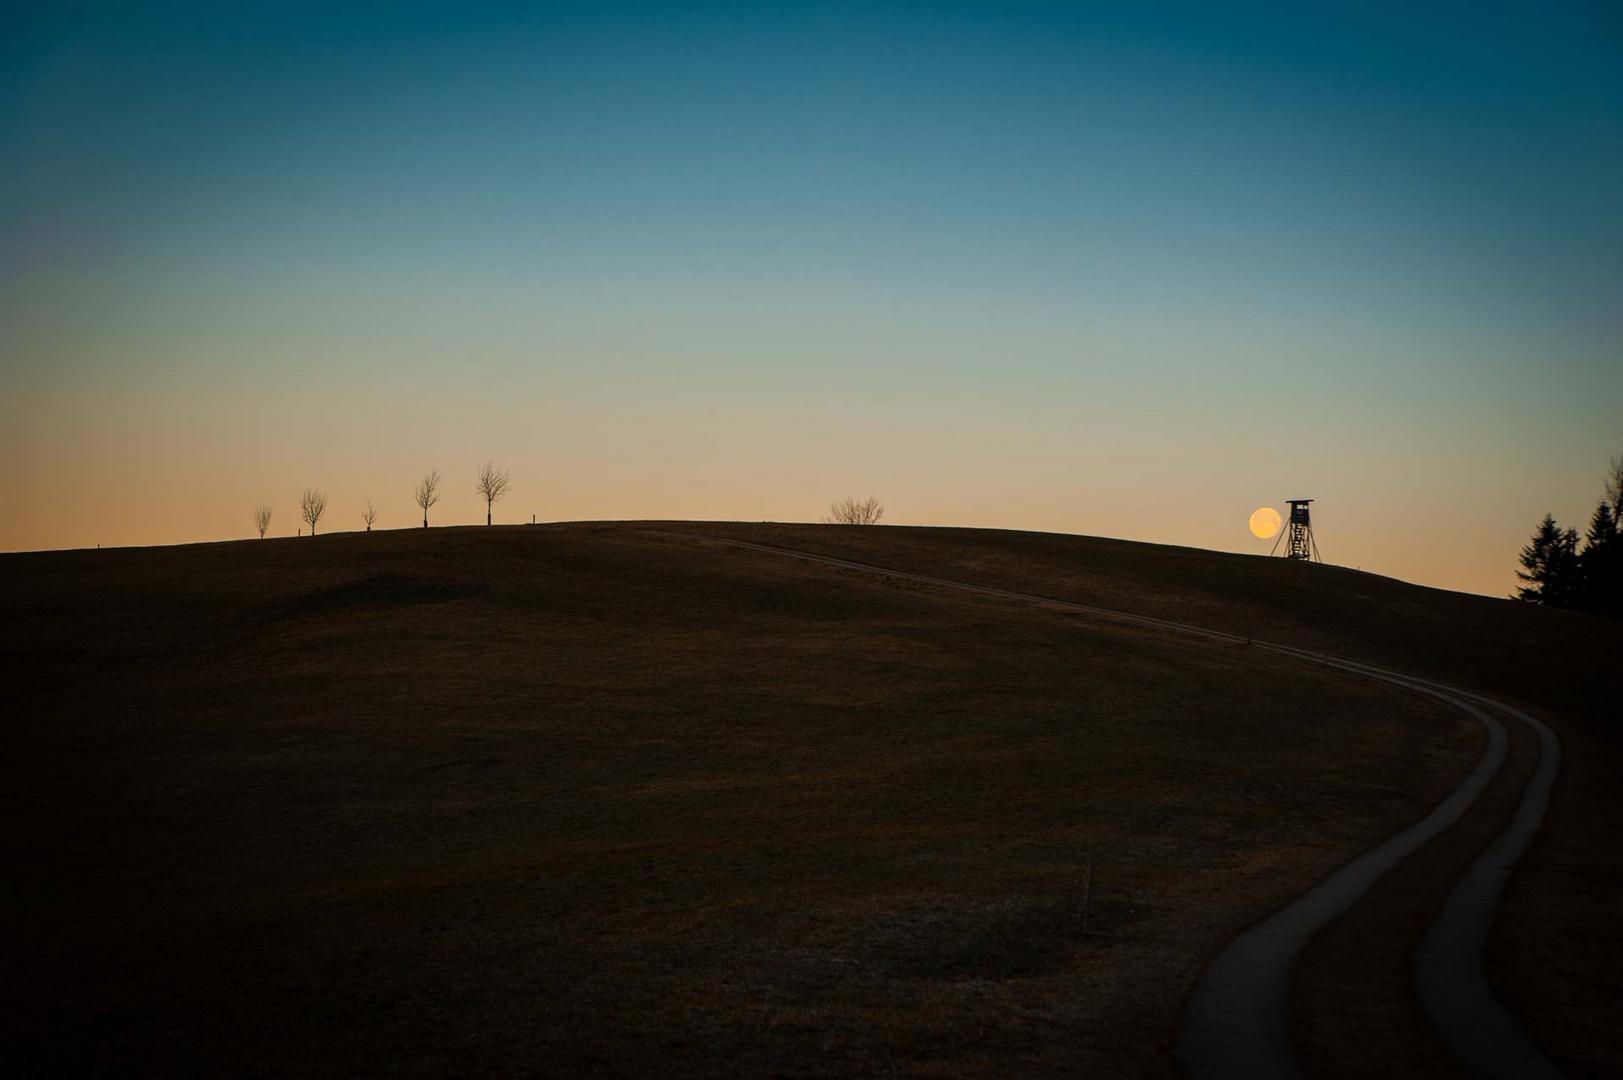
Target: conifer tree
[
  {"x": 1554, "y": 572},
  {"x": 1550, "y": 566},
  {"x": 1601, "y": 564}
]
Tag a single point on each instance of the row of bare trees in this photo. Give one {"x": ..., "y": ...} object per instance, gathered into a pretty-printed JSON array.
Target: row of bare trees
[{"x": 493, "y": 483}]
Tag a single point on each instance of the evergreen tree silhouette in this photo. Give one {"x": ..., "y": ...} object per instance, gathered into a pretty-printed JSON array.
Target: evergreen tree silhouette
[
  {"x": 1550, "y": 566},
  {"x": 1601, "y": 565}
]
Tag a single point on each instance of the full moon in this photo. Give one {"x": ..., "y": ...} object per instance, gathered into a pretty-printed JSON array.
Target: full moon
[{"x": 1264, "y": 522}]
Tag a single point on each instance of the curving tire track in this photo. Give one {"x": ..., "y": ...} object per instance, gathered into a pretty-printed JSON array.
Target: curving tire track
[
  {"x": 1454, "y": 990},
  {"x": 1236, "y": 1022},
  {"x": 1450, "y": 978}
]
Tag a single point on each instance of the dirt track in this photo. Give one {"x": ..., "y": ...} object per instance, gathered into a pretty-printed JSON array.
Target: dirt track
[{"x": 1237, "y": 1022}]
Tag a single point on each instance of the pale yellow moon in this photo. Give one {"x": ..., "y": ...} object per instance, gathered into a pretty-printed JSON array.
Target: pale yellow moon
[{"x": 1264, "y": 522}]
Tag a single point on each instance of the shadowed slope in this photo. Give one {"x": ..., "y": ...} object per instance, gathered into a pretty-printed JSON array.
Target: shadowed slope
[
  {"x": 1555, "y": 948},
  {"x": 585, "y": 797},
  {"x": 1560, "y": 659}
]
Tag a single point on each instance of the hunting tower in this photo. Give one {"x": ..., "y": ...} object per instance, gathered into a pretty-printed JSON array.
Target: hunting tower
[{"x": 1299, "y": 542}]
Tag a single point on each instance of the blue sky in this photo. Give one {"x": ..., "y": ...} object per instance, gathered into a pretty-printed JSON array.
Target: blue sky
[{"x": 1031, "y": 266}]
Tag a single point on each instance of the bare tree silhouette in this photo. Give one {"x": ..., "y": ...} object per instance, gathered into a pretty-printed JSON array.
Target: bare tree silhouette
[
  {"x": 855, "y": 512},
  {"x": 492, "y": 485},
  {"x": 428, "y": 492},
  {"x": 1614, "y": 485},
  {"x": 313, "y": 505},
  {"x": 370, "y": 516},
  {"x": 262, "y": 516}
]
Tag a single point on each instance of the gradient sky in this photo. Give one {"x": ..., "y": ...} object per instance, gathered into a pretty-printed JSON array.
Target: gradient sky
[{"x": 1124, "y": 270}]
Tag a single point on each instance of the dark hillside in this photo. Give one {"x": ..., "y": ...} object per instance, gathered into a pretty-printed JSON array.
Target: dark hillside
[
  {"x": 1564, "y": 660},
  {"x": 603, "y": 799}
]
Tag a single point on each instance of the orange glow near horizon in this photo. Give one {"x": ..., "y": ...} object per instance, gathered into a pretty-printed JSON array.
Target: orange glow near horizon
[{"x": 1025, "y": 272}]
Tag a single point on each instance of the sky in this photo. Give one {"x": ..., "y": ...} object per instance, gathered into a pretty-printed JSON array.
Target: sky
[{"x": 1126, "y": 270}]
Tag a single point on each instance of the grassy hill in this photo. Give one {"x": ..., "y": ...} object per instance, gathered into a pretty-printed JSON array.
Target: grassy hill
[{"x": 608, "y": 798}]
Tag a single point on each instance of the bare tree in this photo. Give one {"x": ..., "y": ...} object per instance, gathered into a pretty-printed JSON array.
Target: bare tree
[
  {"x": 262, "y": 515},
  {"x": 428, "y": 492},
  {"x": 313, "y": 505},
  {"x": 1614, "y": 485},
  {"x": 370, "y": 516},
  {"x": 855, "y": 512},
  {"x": 492, "y": 485}
]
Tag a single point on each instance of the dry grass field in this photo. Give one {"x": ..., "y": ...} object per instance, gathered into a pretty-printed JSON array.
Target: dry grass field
[{"x": 606, "y": 799}]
